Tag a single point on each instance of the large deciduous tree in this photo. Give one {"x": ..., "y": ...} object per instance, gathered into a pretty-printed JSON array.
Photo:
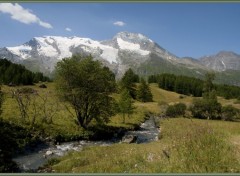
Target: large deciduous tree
[{"x": 87, "y": 86}]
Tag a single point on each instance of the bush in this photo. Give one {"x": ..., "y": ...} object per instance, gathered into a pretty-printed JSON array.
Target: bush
[
  {"x": 176, "y": 110},
  {"x": 229, "y": 113},
  {"x": 206, "y": 109}
]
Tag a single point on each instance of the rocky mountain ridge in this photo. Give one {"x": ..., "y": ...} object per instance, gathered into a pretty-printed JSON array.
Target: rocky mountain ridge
[{"x": 123, "y": 51}]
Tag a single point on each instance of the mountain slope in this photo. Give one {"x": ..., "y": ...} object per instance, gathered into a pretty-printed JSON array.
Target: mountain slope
[{"x": 222, "y": 61}]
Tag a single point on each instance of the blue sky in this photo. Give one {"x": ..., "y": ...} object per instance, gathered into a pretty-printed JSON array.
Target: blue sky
[{"x": 184, "y": 29}]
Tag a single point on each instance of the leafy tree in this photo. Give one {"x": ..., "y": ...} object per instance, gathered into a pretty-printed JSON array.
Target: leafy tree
[
  {"x": 125, "y": 104},
  {"x": 176, "y": 110},
  {"x": 143, "y": 92},
  {"x": 208, "y": 107},
  {"x": 229, "y": 113},
  {"x": 87, "y": 86},
  {"x": 128, "y": 82}
]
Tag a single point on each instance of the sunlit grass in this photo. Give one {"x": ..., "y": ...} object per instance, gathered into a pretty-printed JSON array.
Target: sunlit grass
[
  {"x": 185, "y": 145},
  {"x": 194, "y": 146}
]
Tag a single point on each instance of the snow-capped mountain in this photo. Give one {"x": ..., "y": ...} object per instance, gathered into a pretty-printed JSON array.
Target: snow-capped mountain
[{"x": 125, "y": 50}]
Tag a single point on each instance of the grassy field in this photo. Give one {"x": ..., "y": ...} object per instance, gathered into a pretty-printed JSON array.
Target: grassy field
[{"x": 185, "y": 144}]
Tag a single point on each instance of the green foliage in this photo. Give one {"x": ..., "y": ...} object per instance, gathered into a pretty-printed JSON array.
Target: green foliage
[
  {"x": 128, "y": 82},
  {"x": 87, "y": 86},
  {"x": 180, "y": 84},
  {"x": 206, "y": 109},
  {"x": 125, "y": 104},
  {"x": 176, "y": 110},
  {"x": 229, "y": 112},
  {"x": 228, "y": 91},
  {"x": 143, "y": 92},
  {"x": 16, "y": 74},
  {"x": 193, "y": 86}
]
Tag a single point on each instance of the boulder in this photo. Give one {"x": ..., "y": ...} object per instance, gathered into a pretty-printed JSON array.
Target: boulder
[
  {"x": 49, "y": 152},
  {"x": 129, "y": 139}
]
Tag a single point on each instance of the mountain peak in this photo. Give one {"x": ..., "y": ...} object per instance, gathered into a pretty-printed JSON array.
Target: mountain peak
[
  {"x": 132, "y": 36},
  {"x": 224, "y": 60},
  {"x": 226, "y": 54}
]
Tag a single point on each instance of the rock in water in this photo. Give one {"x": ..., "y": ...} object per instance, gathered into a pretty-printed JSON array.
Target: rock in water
[
  {"x": 129, "y": 139},
  {"x": 49, "y": 153}
]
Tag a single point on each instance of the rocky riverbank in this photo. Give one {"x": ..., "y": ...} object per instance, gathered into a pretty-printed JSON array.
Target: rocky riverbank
[{"x": 33, "y": 159}]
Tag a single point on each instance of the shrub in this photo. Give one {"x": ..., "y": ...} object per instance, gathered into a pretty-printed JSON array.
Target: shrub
[
  {"x": 176, "y": 110},
  {"x": 229, "y": 113},
  {"x": 206, "y": 109}
]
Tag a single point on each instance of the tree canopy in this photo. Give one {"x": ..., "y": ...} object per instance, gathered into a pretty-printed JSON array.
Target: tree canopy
[
  {"x": 125, "y": 104},
  {"x": 143, "y": 92},
  {"x": 208, "y": 107},
  {"x": 87, "y": 86},
  {"x": 128, "y": 82}
]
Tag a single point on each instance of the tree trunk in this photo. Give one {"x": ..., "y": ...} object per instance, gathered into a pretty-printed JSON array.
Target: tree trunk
[{"x": 81, "y": 121}]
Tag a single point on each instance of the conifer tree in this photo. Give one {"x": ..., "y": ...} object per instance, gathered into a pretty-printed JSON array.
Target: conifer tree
[
  {"x": 208, "y": 107},
  {"x": 129, "y": 81},
  {"x": 125, "y": 104},
  {"x": 144, "y": 93}
]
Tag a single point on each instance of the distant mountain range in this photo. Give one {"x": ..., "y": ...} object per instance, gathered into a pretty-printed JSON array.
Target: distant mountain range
[{"x": 125, "y": 50}]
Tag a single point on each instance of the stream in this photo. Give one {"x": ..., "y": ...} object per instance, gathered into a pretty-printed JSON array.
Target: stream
[{"x": 32, "y": 160}]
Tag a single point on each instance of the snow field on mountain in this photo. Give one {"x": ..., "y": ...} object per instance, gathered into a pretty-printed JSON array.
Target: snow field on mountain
[{"x": 124, "y": 45}]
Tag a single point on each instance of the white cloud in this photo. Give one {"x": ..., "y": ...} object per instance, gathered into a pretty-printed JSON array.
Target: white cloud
[
  {"x": 68, "y": 29},
  {"x": 119, "y": 23},
  {"x": 20, "y": 14}
]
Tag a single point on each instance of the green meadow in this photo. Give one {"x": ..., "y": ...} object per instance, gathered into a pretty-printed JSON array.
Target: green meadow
[{"x": 185, "y": 144}]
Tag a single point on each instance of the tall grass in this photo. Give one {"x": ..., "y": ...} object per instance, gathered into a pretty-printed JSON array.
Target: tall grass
[
  {"x": 186, "y": 146},
  {"x": 197, "y": 146}
]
